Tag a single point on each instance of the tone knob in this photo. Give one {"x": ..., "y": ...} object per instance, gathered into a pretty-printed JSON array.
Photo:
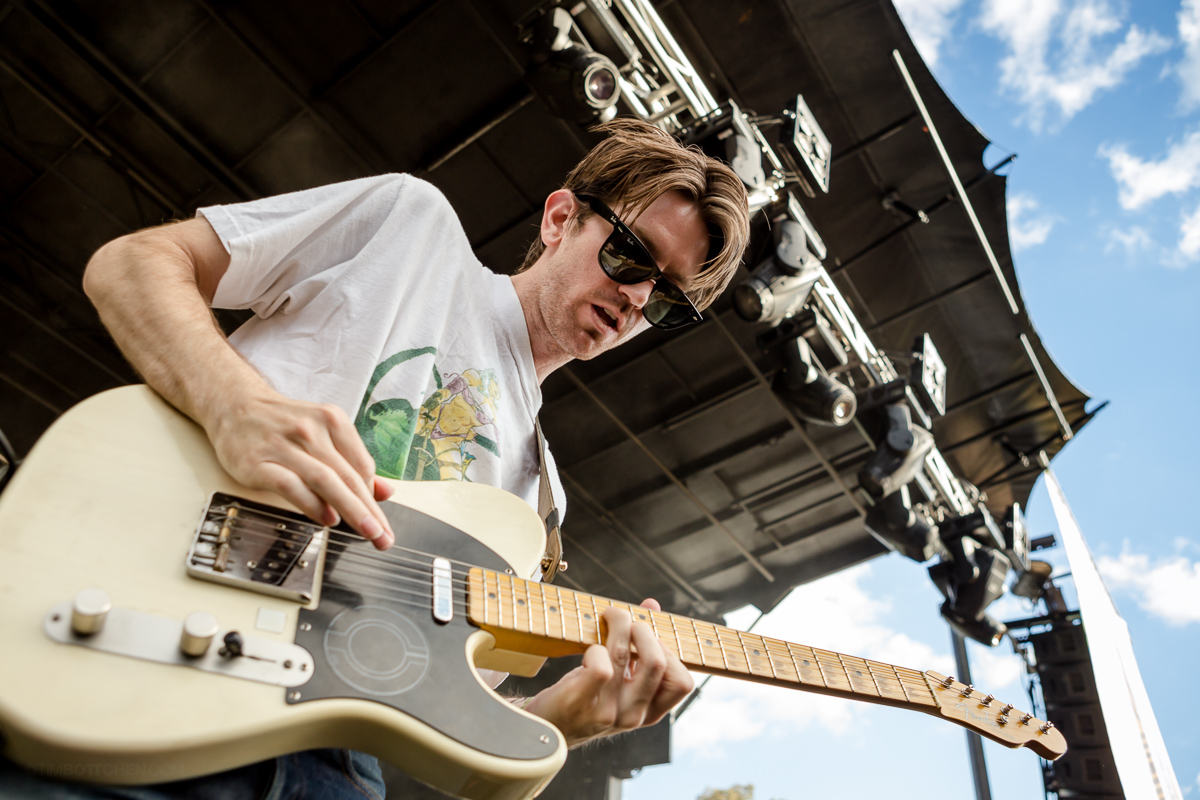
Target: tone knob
[
  {"x": 89, "y": 611},
  {"x": 199, "y": 629}
]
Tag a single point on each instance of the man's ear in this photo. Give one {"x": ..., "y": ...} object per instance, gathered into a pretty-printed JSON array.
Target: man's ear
[{"x": 559, "y": 211}]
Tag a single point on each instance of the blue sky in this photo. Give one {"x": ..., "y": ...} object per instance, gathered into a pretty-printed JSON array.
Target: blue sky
[{"x": 1101, "y": 99}]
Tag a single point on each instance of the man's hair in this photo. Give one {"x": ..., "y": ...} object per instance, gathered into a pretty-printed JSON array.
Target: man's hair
[{"x": 637, "y": 164}]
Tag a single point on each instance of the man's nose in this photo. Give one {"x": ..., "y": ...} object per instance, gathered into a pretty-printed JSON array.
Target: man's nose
[{"x": 638, "y": 294}]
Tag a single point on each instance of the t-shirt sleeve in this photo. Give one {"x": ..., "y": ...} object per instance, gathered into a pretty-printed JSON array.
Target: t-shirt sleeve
[{"x": 279, "y": 243}]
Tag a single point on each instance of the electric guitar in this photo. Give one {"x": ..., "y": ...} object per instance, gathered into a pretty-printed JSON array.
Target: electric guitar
[{"x": 159, "y": 621}]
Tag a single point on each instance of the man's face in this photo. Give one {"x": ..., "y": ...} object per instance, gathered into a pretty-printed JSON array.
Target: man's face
[{"x": 584, "y": 311}]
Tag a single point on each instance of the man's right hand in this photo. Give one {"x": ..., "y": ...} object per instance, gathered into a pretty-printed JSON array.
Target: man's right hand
[
  {"x": 152, "y": 289},
  {"x": 310, "y": 454}
]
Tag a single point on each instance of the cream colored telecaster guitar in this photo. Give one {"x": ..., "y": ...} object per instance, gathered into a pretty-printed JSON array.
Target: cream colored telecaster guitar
[{"x": 159, "y": 621}]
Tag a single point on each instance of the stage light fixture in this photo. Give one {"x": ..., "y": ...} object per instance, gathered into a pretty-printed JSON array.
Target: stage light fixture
[
  {"x": 985, "y": 629},
  {"x": 895, "y": 523},
  {"x": 577, "y": 84},
  {"x": 780, "y": 285},
  {"x": 814, "y": 395},
  {"x": 1031, "y": 582},
  {"x": 804, "y": 141},
  {"x": 971, "y": 577},
  {"x": 980, "y": 525},
  {"x": 927, "y": 375},
  {"x": 899, "y": 456}
]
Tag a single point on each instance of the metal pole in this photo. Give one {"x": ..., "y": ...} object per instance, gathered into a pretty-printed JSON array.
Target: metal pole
[{"x": 983, "y": 790}]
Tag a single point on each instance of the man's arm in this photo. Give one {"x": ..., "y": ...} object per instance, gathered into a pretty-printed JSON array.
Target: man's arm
[{"x": 152, "y": 289}]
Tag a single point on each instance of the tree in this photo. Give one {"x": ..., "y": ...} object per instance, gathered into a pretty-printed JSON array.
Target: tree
[{"x": 736, "y": 792}]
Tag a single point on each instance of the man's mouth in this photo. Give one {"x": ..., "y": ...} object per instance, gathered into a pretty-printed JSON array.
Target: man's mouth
[{"x": 608, "y": 318}]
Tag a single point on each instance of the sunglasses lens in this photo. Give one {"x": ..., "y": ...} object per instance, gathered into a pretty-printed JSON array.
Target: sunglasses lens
[
  {"x": 669, "y": 308},
  {"x": 624, "y": 262}
]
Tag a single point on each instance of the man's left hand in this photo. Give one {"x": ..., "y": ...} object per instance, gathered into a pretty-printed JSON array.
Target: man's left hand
[{"x": 628, "y": 682}]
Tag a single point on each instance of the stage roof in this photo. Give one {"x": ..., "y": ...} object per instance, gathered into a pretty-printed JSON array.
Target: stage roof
[{"x": 120, "y": 115}]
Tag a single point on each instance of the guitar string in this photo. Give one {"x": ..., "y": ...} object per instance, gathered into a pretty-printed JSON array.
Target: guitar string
[
  {"x": 344, "y": 541},
  {"x": 333, "y": 532},
  {"x": 421, "y": 574},
  {"x": 372, "y": 571}
]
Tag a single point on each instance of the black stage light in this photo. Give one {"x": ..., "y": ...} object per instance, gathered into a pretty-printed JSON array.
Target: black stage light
[
  {"x": 980, "y": 525},
  {"x": 804, "y": 141},
  {"x": 780, "y": 285},
  {"x": 1031, "y": 582},
  {"x": 814, "y": 395},
  {"x": 984, "y": 630},
  {"x": 727, "y": 134},
  {"x": 927, "y": 375},
  {"x": 971, "y": 577},
  {"x": 577, "y": 84},
  {"x": 895, "y": 523},
  {"x": 899, "y": 456}
]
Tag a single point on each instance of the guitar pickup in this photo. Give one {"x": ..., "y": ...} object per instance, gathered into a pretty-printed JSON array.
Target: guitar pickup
[{"x": 257, "y": 547}]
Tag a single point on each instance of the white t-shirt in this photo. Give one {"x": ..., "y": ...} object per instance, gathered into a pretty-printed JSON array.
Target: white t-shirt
[{"x": 367, "y": 295}]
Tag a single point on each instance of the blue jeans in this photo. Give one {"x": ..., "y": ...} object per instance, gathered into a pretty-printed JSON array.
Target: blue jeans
[{"x": 312, "y": 774}]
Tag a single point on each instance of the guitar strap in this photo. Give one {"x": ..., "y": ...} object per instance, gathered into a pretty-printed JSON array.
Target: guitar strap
[{"x": 552, "y": 562}]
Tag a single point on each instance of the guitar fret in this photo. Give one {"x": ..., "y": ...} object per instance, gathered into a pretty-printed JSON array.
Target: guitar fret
[
  {"x": 828, "y": 659},
  {"x": 545, "y": 610},
  {"x": 763, "y": 644},
  {"x": 863, "y": 683},
  {"x": 699, "y": 647},
  {"x": 675, "y": 632},
  {"x": 595, "y": 618},
  {"x": 901, "y": 683},
  {"x": 746, "y": 652},
  {"x": 496, "y": 600}
]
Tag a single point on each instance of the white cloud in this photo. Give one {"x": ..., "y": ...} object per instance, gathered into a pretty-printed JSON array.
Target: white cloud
[
  {"x": 929, "y": 23},
  {"x": 1168, "y": 588},
  {"x": 1024, "y": 229},
  {"x": 1058, "y": 56},
  {"x": 1189, "y": 236},
  {"x": 1142, "y": 181},
  {"x": 1133, "y": 241},
  {"x": 1188, "y": 70},
  {"x": 835, "y": 613}
]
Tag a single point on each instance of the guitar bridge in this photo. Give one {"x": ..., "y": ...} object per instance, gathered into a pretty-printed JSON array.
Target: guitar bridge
[{"x": 257, "y": 547}]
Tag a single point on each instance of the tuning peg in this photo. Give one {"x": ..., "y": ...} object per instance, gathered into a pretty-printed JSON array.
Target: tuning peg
[{"x": 987, "y": 701}]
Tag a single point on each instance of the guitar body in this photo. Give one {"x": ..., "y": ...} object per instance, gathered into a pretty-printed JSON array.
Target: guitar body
[{"x": 111, "y": 498}]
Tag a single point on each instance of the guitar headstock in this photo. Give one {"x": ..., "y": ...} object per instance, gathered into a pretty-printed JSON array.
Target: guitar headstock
[{"x": 995, "y": 719}]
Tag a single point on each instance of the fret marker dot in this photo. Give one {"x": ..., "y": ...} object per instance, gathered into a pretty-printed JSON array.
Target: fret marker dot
[
  {"x": 641, "y": 616},
  {"x": 806, "y": 663},
  {"x": 553, "y": 610},
  {"x": 755, "y": 652},
  {"x": 708, "y": 642},
  {"x": 858, "y": 672},
  {"x": 520, "y": 602},
  {"x": 587, "y": 616},
  {"x": 492, "y": 595}
]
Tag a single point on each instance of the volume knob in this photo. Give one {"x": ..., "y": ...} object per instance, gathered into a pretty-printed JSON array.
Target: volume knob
[
  {"x": 89, "y": 611},
  {"x": 199, "y": 629}
]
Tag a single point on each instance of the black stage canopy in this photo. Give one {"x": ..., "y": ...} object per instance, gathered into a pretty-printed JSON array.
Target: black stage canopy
[{"x": 685, "y": 480}]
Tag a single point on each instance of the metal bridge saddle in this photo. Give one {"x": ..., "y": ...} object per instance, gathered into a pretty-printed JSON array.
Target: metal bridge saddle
[{"x": 257, "y": 547}]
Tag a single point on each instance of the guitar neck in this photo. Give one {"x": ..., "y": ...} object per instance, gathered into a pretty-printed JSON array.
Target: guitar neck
[{"x": 542, "y": 619}]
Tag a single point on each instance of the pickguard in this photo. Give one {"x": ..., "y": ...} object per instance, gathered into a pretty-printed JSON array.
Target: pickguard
[{"x": 373, "y": 637}]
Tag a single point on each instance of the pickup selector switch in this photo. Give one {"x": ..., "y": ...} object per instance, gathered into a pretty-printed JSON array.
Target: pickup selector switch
[
  {"x": 199, "y": 629},
  {"x": 89, "y": 611}
]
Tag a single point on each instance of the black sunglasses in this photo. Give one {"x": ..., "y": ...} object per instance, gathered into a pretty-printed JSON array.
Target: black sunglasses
[{"x": 626, "y": 260}]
